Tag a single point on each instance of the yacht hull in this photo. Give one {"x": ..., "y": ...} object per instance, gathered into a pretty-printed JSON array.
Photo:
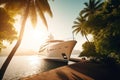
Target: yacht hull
[{"x": 59, "y": 51}]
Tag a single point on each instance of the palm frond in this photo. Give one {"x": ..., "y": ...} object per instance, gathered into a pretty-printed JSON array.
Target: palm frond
[
  {"x": 91, "y": 8},
  {"x": 91, "y": 3},
  {"x": 47, "y": 7},
  {"x": 41, "y": 12},
  {"x": 86, "y": 4},
  {"x": 79, "y": 19},
  {"x": 76, "y": 26},
  {"x": 76, "y": 22},
  {"x": 77, "y": 30},
  {"x": 97, "y": 3},
  {"x": 99, "y": 7},
  {"x": 15, "y": 6},
  {"x": 32, "y": 13},
  {"x": 82, "y": 12},
  {"x": 86, "y": 15}
]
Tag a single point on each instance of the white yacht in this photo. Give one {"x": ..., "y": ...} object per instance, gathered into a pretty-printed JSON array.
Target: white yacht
[{"x": 57, "y": 49}]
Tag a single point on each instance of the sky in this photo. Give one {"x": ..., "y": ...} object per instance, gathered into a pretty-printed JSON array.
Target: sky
[
  {"x": 65, "y": 13},
  {"x": 60, "y": 25}
]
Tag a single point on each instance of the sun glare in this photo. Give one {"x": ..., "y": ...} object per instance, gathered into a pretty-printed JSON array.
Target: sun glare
[{"x": 33, "y": 37}]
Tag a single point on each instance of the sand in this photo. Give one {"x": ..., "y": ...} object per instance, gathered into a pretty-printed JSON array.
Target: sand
[{"x": 80, "y": 71}]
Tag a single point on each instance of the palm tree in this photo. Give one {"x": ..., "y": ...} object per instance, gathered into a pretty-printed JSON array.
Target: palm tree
[
  {"x": 92, "y": 7},
  {"x": 79, "y": 26},
  {"x": 28, "y": 8},
  {"x": 7, "y": 30}
]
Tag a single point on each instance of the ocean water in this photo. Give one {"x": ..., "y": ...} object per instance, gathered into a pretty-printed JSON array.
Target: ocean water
[{"x": 22, "y": 66}]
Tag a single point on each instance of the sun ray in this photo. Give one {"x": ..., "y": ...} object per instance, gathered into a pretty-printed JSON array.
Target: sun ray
[{"x": 33, "y": 37}]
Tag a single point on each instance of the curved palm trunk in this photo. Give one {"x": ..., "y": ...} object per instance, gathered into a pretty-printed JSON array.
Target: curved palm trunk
[
  {"x": 87, "y": 40},
  {"x": 7, "y": 61}
]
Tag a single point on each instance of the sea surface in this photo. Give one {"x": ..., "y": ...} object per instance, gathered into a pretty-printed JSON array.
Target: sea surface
[{"x": 22, "y": 66}]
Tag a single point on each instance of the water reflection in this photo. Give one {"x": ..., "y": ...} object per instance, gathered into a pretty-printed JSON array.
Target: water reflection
[
  {"x": 33, "y": 60},
  {"x": 22, "y": 66}
]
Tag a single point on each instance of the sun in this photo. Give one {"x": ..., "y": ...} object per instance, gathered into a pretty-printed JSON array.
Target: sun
[{"x": 33, "y": 37}]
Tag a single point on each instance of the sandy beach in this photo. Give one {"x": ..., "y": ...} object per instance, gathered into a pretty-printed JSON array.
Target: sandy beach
[{"x": 80, "y": 71}]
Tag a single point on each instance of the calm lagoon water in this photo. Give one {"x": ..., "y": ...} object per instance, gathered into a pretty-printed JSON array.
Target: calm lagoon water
[{"x": 22, "y": 66}]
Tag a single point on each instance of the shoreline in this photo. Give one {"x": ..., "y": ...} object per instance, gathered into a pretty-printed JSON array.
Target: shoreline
[
  {"x": 82, "y": 70},
  {"x": 19, "y": 53}
]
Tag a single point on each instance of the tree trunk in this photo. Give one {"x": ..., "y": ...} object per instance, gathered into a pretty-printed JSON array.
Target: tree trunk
[
  {"x": 87, "y": 40},
  {"x": 7, "y": 61}
]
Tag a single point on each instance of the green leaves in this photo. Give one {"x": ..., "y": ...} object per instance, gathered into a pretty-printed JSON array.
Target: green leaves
[
  {"x": 7, "y": 30},
  {"x": 89, "y": 50},
  {"x": 105, "y": 28},
  {"x": 79, "y": 26},
  {"x": 33, "y": 13},
  {"x": 92, "y": 7},
  {"x": 104, "y": 24},
  {"x": 40, "y": 7}
]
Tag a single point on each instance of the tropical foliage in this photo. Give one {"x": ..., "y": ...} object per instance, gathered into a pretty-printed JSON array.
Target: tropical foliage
[
  {"x": 89, "y": 50},
  {"x": 79, "y": 26},
  {"x": 25, "y": 8},
  {"x": 104, "y": 25},
  {"x": 105, "y": 28},
  {"x": 7, "y": 30},
  {"x": 91, "y": 8},
  {"x": 35, "y": 7}
]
